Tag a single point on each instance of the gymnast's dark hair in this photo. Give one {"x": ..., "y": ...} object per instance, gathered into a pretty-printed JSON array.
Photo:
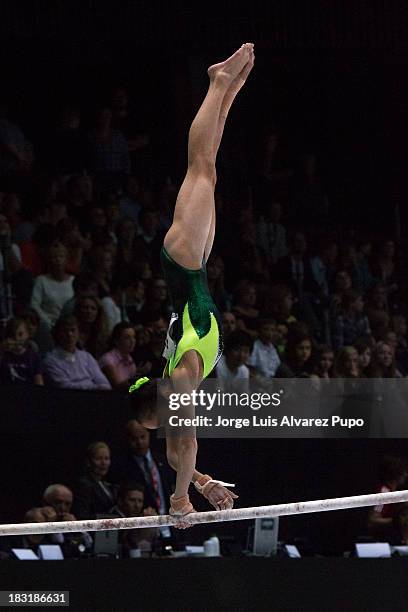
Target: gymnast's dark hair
[{"x": 143, "y": 401}]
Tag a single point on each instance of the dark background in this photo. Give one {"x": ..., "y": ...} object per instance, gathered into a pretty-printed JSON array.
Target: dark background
[{"x": 333, "y": 75}]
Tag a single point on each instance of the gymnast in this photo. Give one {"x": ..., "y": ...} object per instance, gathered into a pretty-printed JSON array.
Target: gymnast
[{"x": 194, "y": 344}]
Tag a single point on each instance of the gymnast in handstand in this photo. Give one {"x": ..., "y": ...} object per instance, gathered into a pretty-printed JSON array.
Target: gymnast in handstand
[{"x": 194, "y": 344}]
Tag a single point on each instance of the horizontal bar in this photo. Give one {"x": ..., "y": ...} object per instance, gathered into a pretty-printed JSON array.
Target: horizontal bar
[{"x": 218, "y": 516}]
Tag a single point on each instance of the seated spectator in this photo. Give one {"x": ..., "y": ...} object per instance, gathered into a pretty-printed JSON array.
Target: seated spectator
[
  {"x": 52, "y": 290},
  {"x": 352, "y": 323},
  {"x": 384, "y": 267},
  {"x": 130, "y": 199},
  {"x": 70, "y": 368},
  {"x": 76, "y": 245},
  {"x": 149, "y": 358},
  {"x": 347, "y": 363},
  {"x": 34, "y": 252},
  {"x": 111, "y": 206},
  {"x": 59, "y": 498},
  {"x": 33, "y": 541},
  {"x": 94, "y": 494},
  {"x": 92, "y": 324},
  {"x": 342, "y": 284},
  {"x": 383, "y": 362},
  {"x": 231, "y": 371},
  {"x": 108, "y": 150},
  {"x": 19, "y": 364},
  {"x": 323, "y": 362},
  {"x": 118, "y": 365},
  {"x": 101, "y": 267},
  {"x": 249, "y": 259},
  {"x": 83, "y": 285},
  {"x": 365, "y": 278},
  {"x": 12, "y": 271},
  {"x": 131, "y": 504},
  {"x": 364, "y": 348},
  {"x": 271, "y": 234},
  {"x": 79, "y": 197},
  {"x": 157, "y": 301},
  {"x": 137, "y": 463},
  {"x": 393, "y": 476},
  {"x": 244, "y": 308},
  {"x": 377, "y": 306},
  {"x": 298, "y": 357},
  {"x": 215, "y": 277},
  {"x": 228, "y": 322},
  {"x": 264, "y": 358},
  {"x": 150, "y": 236},
  {"x": 33, "y": 323},
  {"x": 322, "y": 266},
  {"x": 294, "y": 269},
  {"x": 16, "y": 157},
  {"x": 279, "y": 303},
  {"x": 348, "y": 261},
  {"x": 133, "y": 300},
  {"x": 126, "y": 230}
]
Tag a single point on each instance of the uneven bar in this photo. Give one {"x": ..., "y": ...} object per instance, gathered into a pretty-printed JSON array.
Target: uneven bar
[{"x": 239, "y": 514}]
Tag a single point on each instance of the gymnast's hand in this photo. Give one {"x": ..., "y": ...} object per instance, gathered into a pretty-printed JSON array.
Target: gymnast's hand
[{"x": 220, "y": 497}]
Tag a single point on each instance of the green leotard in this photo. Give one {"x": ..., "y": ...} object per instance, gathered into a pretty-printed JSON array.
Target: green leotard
[{"x": 195, "y": 323}]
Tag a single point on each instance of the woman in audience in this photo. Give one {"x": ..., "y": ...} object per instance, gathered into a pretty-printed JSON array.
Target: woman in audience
[
  {"x": 364, "y": 347},
  {"x": 94, "y": 495},
  {"x": 93, "y": 325},
  {"x": 324, "y": 360},
  {"x": 118, "y": 364},
  {"x": 383, "y": 362},
  {"x": 298, "y": 360},
  {"x": 347, "y": 363},
  {"x": 53, "y": 289}
]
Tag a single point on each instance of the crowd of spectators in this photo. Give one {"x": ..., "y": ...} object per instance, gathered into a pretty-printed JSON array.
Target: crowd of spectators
[{"x": 85, "y": 305}]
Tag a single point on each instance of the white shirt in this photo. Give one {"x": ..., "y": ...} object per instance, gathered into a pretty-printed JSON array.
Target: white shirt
[
  {"x": 49, "y": 296},
  {"x": 237, "y": 381},
  {"x": 264, "y": 358}
]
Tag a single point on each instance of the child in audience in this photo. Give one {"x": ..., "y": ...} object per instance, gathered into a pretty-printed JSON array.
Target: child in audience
[{"x": 19, "y": 364}]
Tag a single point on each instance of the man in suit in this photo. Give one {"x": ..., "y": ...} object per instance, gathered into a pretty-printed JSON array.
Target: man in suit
[
  {"x": 138, "y": 464},
  {"x": 131, "y": 504}
]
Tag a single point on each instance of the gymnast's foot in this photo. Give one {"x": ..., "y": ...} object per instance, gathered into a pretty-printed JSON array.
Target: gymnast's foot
[
  {"x": 227, "y": 71},
  {"x": 239, "y": 81}
]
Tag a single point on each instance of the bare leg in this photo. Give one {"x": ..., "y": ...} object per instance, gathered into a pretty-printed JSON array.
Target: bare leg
[
  {"x": 229, "y": 97},
  {"x": 187, "y": 237}
]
